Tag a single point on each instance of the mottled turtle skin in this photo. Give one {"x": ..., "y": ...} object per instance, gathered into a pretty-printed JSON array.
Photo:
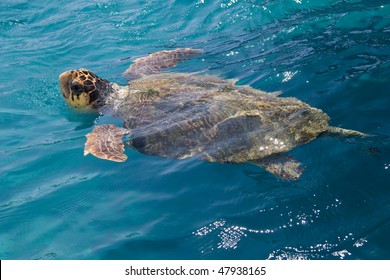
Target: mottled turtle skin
[{"x": 181, "y": 115}]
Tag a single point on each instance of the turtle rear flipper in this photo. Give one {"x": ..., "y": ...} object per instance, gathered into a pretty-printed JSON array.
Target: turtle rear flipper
[
  {"x": 159, "y": 61},
  {"x": 105, "y": 142},
  {"x": 281, "y": 165},
  {"x": 345, "y": 132}
]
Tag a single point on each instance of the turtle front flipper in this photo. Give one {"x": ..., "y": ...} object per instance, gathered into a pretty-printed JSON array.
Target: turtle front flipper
[
  {"x": 281, "y": 165},
  {"x": 157, "y": 62},
  {"x": 105, "y": 142}
]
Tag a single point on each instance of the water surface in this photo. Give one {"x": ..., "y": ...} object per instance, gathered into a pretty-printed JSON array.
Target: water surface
[{"x": 57, "y": 204}]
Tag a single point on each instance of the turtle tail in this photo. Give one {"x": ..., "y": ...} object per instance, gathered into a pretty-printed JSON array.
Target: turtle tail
[{"x": 345, "y": 132}]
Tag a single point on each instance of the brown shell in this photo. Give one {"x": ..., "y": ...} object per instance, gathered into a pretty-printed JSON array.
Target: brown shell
[{"x": 179, "y": 115}]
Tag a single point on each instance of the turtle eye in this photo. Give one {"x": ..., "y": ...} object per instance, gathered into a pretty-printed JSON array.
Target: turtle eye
[{"x": 76, "y": 88}]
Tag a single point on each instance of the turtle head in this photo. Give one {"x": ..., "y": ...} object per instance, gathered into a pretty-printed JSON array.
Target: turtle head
[{"x": 82, "y": 88}]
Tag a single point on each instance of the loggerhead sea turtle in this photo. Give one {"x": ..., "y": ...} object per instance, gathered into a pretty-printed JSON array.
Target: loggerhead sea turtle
[{"x": 181, "y": 115}]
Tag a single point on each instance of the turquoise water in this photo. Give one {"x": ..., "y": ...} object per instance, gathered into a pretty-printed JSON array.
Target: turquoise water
[{"x": 57, "y": 204}]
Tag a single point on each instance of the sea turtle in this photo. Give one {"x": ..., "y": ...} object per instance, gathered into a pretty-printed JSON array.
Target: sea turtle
[{"x": 181, "y": 115}]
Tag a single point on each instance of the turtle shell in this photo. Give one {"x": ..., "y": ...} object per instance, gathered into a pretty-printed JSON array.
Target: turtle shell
[{"x": 175, "y": 115}]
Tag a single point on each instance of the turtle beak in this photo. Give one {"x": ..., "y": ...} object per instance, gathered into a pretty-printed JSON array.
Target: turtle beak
[
  {"x": 64, "y": 81},
  {"x": 65, "y": 77}
]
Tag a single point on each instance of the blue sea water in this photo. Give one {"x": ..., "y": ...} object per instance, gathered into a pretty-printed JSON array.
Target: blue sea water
[{"x": 57, "y": 204}]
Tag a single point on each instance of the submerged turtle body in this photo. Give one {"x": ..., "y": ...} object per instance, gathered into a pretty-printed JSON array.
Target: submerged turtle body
[{"x": 179, "y": 115}]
